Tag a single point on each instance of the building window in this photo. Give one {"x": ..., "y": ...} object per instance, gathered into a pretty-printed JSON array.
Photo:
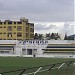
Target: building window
[
  {"x": 19, "y": 39},
  {"x": 27, "y": 24},
  {"x": 19, "y": 28},
  {"x": 9, "y": 34},
  {"x": 9, "y": 28},
  {"x": 0, "y": 26},
  {"x": 32, "y": 24},
  {"x": 19, "y": 34},
  {"x": 19, "y": 22},
  {"x": 14, "y": 22},
  {"x": 14, "y": 39},
  {"x": 0, "y": 33},
  {"x": 9, "y": 39},
  {"x": 4, "y": 39},
  {"x": 26, "y": 35},
  {"x": 4, "y": 33},
  {"x": 26, "y": 29},
  {"x": 14, "y": 26},
  {"x": 14, "y": 32},
  {"x": 31, "y": 35},
  {"x": 10, "y": 22},
  {"x": 0, "y": 22},
  {"x": 31, "y": 29},
  {"x": 4, "y": 26},
  {"x": 4, "y": 22}
]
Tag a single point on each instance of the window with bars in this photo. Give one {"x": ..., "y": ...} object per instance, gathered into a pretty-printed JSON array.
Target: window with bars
[
  {"x": 19, "y": 34},
  {"x": 19, "y": 28},
  {"x": 9, "y": 28},
  {"x": 9, "y": 34},
  {"x": 10, "y": 22},
  {"x": 19, "y": 22}
]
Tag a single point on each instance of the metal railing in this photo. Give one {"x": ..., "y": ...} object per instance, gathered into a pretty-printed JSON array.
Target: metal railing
[{"x": 67, "y": 67}]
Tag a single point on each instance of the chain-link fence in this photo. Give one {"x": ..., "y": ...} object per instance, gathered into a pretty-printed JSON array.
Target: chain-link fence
[{"x": 64, "y": 68}]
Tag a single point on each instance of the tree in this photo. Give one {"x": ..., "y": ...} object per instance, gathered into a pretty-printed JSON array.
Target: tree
[
  {"x": 52, "y": 36},
  {"x": 40, "y": 37},
  {"x": 57, "y": 36},
  {"x": 48, "y": 36},
  {"x": 65, "y": 38},
  {"x": 35, "y": 36}
]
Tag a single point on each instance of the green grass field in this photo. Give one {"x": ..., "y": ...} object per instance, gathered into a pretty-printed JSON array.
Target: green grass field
[{"x": 14, "y": 63}]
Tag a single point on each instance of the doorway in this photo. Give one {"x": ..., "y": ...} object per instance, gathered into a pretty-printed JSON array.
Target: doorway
[{"x": 29, "y": 51}]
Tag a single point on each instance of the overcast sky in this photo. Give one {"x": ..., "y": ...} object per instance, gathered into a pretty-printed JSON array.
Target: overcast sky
[
  {"x": 56, "y": 27},
  {"x": 45, "y": 11},
  {"x": 38, "y": 10}
]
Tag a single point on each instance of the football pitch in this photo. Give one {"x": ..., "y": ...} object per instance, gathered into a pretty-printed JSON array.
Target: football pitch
[{"x": 17, "y": 63}]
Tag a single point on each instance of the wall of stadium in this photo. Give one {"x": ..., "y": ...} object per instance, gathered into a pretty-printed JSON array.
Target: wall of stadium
[{"x": 37, "y": 48}]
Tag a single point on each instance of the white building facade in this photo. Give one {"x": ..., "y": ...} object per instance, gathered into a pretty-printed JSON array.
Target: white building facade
[{"x": 38, "y": 48}]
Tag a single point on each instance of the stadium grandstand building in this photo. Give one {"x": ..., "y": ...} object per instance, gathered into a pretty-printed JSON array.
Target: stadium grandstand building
[{"x": 38, "y": 48}]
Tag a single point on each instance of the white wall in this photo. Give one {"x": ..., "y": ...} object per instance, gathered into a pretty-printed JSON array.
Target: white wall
[{"x": 19, "y": 46}]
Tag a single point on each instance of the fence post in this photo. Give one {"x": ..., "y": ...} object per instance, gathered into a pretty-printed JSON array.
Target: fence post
[
  {"x": 73, "y": 68},
  {"x": 51, "y": 67},
  {"x": 22, "y": 72},
  {"x": 67, "y": 67},
  {"x": 37, "y": 70},
  {"x": 60, "y": 67}
]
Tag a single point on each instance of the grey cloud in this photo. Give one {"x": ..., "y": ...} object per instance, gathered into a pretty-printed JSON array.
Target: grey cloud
[
  {"x": 1, "y": 6},
  {"x": 43, "y": 27},
  {"x": 40, "y": 10},
  {"x": 52, "y": 27},
  {"x": 67, "y": 27},
  {"x": 39, "y": 27}
]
